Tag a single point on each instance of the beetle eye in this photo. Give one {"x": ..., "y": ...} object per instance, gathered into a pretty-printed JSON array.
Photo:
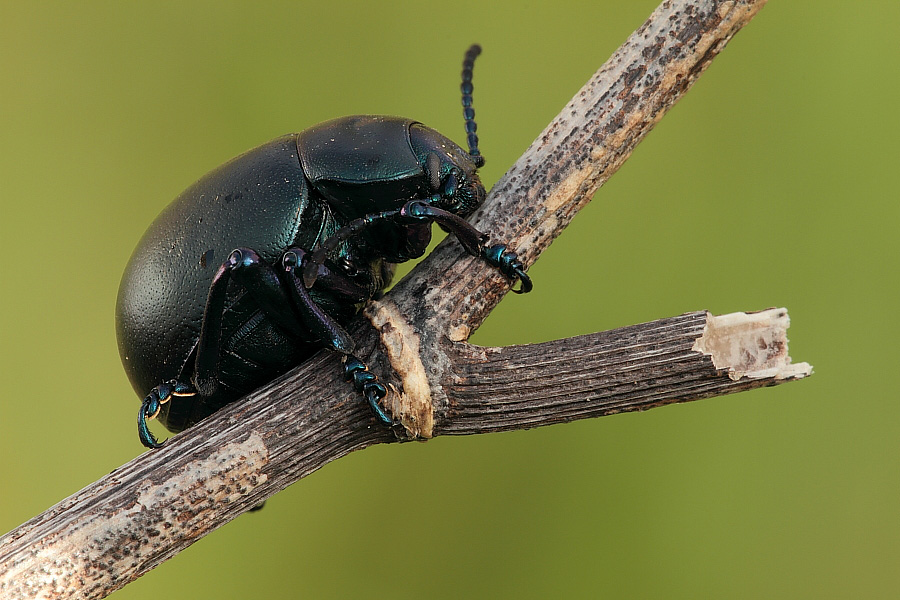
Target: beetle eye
[
  {"x": 462, "y": 196},
  {"x": 433, "y": 168}
]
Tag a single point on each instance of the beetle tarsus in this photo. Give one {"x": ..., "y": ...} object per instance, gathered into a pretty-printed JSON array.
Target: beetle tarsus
[
  {"x": 152, "y": 404},
  {"x": 507, "y": 261},
  {"x": 368, "y": 385},
  {"x": 149, "y": 409}
]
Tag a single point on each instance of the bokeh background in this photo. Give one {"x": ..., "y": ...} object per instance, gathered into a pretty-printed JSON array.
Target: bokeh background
[{"x": 772, "y": 183}]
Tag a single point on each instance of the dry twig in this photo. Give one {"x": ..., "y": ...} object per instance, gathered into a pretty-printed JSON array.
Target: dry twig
[{"x": 148, "y": 510}]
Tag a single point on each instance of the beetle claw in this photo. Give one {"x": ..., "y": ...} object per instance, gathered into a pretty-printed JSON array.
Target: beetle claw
[
  {"x": 373, "y": 397},
  {"x": 525, "y": 282},
  {"x": 149, "y": 409}
]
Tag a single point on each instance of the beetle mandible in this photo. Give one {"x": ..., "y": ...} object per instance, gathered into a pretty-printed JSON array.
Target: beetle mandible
[{"x": 265, "y": 259}]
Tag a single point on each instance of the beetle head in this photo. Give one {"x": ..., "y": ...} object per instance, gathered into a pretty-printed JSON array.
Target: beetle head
[
  {"x": 451, "y": 172},
  {"x": 456, "y": 185},
  {"x": 448, "y": 180},
  {"x": 461, "y": 193}
]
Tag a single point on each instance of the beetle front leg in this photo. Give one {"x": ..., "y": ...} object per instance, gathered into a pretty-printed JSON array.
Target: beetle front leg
[{"x": 474, "y": 242}]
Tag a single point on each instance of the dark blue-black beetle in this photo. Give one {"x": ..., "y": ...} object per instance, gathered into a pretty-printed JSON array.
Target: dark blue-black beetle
[{"x": 265, "y": 259}]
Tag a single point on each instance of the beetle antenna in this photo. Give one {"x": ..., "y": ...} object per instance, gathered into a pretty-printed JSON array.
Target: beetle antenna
[{"x": 469, "y": 112}]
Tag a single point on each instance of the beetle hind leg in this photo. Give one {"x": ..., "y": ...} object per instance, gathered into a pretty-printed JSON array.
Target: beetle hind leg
[
  {"x": 260, "y": 280},
  {"x": 152, "y": 404},
  {"x": 291, "y": 308}
]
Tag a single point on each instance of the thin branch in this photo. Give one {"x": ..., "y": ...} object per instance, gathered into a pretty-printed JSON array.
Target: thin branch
[
  {"x": 679, "y": 359},
  {"x": 143, "y": 513},
  {"x": 148, "y": 510}
]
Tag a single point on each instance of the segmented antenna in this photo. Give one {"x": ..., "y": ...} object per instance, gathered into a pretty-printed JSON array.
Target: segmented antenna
[{"x": 469, "y": 112}]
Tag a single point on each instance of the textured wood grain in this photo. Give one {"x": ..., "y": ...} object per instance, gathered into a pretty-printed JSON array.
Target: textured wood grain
[
  {"x": 629, "y": 369},
  {"x": 146, "y": 511}
]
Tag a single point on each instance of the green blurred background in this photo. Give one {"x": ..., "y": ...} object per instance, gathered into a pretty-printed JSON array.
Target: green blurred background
[{"x": 768, "y": 185}]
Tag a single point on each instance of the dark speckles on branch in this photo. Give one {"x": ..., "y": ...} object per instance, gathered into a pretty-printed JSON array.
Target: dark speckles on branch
[{"x": 302, "y": 422}]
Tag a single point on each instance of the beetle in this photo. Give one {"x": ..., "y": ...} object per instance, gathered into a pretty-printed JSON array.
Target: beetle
[{"x": 265, "y": 259}]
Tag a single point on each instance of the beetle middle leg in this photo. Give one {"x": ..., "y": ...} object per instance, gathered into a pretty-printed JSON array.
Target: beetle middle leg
[{"x": 355, "y": 370}]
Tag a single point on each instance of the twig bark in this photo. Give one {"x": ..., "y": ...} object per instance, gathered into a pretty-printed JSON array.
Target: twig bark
[{"x": 148, "y": 510}]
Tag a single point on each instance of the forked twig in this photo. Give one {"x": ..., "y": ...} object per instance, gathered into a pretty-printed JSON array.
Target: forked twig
[{"x": 151, "y": 508}]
